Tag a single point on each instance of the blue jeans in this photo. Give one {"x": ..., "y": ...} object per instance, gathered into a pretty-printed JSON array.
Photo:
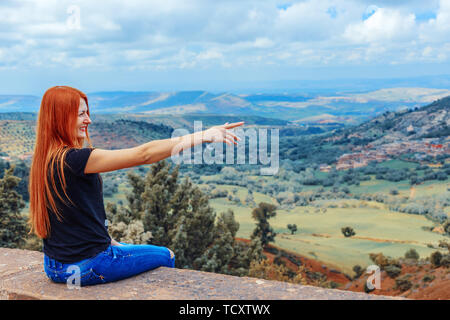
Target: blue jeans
[{"x": 113, "y": 264}]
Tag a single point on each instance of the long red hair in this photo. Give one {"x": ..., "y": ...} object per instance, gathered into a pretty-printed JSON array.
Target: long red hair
[{"x": 56, "y": 128}]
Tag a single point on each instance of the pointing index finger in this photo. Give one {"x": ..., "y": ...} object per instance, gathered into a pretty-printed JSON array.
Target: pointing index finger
[{"x": 234, "y": 125}]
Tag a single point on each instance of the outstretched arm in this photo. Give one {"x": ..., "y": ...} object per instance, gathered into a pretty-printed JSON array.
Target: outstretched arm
[
  {"x": 102, "y": 160},
  {"x": 115, "y": 243}
]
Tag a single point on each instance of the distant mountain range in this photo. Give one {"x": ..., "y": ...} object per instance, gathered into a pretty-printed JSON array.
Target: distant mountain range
[
  {"x": 17, "y": 129},
  {"x": 308, "y": 108},
  {"x": 412, "y": 135}
]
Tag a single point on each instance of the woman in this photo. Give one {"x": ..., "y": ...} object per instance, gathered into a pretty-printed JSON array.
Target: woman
[{"x": 66, "y": 199}]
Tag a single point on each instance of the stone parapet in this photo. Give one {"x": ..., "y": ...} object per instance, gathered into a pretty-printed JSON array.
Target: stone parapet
[{"x": 22, "y": 277}]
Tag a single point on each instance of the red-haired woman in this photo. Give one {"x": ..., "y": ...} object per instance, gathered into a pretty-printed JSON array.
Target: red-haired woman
[{"x": 66, "y": 199}]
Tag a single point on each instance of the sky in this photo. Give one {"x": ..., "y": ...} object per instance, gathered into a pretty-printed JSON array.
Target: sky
[{"x": 172, "y": 45}]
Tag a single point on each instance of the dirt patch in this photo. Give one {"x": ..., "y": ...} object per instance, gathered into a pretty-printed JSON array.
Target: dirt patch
[
  {"x": 386, "y": 240},
  {"x": 284, "y": 236},
  {"x": 332, "y": 272},
  {"x": 321, "y": 235},
  {"x": 412, "y": 193}
]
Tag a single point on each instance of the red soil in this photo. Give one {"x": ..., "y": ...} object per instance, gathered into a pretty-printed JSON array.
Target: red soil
[
  {"x": 310, "y": 264},
  {"x": 437, "y": 289}
]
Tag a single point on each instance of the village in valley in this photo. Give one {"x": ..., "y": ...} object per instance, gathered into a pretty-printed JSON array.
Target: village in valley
[{"x": 363, "y": 155}]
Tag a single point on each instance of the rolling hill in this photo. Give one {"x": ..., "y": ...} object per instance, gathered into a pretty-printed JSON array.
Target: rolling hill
[
  {"x": 314, "y": 108},
  {"x": 429, "y": 121}
]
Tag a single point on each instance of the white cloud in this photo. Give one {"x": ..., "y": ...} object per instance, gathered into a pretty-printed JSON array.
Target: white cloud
[
  {"x": 263, "y": 43},
  {"x": 437, "y": 29},
  {"x": 162, "y": 35},
  {"x": 138, "y": 55},
  {"x": 210, "y": 54},
  {"x": 310, "y": 21},
  {"x": 383, "y": 25}
]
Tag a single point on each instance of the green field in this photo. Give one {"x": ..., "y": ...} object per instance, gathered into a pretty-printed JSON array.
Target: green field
[
  {"x": 377, "y": 228},
  {"x": 319, "y": 233},
  {"x": 398, "y": 164}
]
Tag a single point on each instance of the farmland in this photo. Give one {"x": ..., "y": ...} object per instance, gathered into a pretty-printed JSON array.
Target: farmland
[{"x": 319, "y": 236}]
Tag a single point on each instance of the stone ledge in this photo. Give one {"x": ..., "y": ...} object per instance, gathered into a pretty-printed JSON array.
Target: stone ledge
[{"x": 22, "y": 277}]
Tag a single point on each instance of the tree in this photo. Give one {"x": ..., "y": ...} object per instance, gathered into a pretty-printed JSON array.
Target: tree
[
  {"x": 412, "y": 254},
  {"x": 263, "y": 230},
  {"x": 244, "y": 255},
  {"x": 435, "y": 259},
  {"x": 393, "y": 192},
  {"x": 348, "y": 231},
  {"x": 125, "y": 224},
  {"x": 358, "y": 270},
  {"x": 124, "y": 228},
  {"x": 264, "y": 269},
  {"x": 22, "y": 171},
  {"x": 229, "y": 173},
  {"x": 176, "y": 215},
  {"x": 249, "y": 200},
  {"x": 193, "y": 231},
  {"x": 217, "y": 257},
  {"x": 292, "y": 228},
  {"x": 393, "y": 271},
  {"x": 446, "y": 227},
  {"x": 403, "y": 283},
  {"x": 160, "y": 201},
  {"x": 13, "y": 226}
]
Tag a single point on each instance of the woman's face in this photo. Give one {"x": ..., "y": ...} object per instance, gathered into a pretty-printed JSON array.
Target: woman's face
[{"x": 83, "y": 119}]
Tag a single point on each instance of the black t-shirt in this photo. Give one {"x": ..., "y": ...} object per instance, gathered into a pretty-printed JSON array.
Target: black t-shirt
[{"x": 83, "y": 231}]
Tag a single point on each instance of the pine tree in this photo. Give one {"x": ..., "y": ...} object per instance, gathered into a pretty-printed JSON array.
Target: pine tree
[
  {"x": 194, "y": 230},
  {"x": 178, "y": 216},
  {"x": 244, "y": 255},
  {"x": 13, "y": 226},
  {"x": 263, "y": 230},
  {"x": 22, "y": 171},
  {"x": 156, "y": 200},
  {"x": 218, "y": 256}
]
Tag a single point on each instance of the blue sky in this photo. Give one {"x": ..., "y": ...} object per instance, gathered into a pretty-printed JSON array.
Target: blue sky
[{"x": 215, "y": 45}]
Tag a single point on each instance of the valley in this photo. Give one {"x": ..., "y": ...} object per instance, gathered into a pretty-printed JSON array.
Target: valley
[{"x": 386, "y": 178}]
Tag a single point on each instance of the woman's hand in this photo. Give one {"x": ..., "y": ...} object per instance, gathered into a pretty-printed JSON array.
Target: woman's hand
[{"x": 221, "y": 133}]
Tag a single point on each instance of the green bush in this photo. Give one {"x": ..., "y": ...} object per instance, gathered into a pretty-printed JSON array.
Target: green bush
[
  {"x": 445, "y": 261},
  {"x": 333, "y": 285},
  {"x": 358, "y": 271},
  {"x": 412, "y": 254},
  {"x": 447, "y": 227},
  {"x": 428, "y": 278},
  {"x": 278, "y": 259},
  {"x": 348, "y": 231},
  {"x": 393, "y": 192},
  {"x": 393, "y": 271},
  {"x": 382, "y": 261},
  {"x": 435, "y": 258},
  {"x": 403, "y": 284}
]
